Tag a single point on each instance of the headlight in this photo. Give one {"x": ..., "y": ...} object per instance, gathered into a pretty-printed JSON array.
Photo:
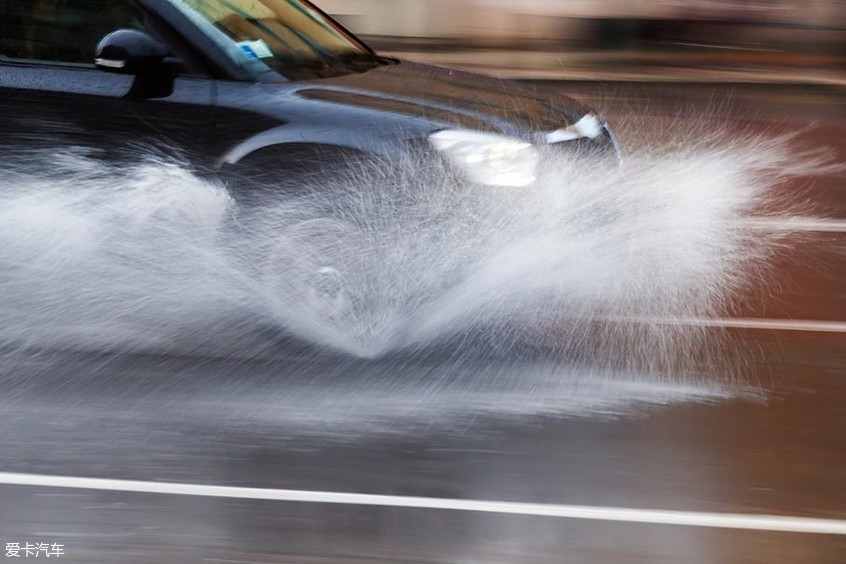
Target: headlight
[{"x": 487, "y": 158}]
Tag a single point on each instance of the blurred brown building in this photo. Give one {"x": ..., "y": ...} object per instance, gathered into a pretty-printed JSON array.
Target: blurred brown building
[{"x": 801, "y": 26}]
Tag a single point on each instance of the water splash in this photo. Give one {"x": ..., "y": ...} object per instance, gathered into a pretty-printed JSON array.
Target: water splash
[{"x": 383, "y": 257}]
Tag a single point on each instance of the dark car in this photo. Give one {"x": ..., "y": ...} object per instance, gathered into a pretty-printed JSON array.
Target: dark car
[{"x": 259, "y": 86}]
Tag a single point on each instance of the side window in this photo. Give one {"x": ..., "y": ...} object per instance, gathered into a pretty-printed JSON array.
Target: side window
[{"x": 62, "y": 31}]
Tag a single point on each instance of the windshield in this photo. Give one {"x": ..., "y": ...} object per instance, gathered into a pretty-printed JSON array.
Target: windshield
[{"x": 290, "y": 37}]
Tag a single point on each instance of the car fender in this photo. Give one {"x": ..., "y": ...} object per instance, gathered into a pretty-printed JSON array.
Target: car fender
[{"x": 322, "y": 135}]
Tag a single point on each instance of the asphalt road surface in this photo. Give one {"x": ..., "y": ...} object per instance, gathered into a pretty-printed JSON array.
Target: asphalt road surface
[{"x": 310, "y": 459}]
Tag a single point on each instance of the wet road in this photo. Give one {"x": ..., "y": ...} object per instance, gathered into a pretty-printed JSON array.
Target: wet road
[{"x": 754, "y": 427}]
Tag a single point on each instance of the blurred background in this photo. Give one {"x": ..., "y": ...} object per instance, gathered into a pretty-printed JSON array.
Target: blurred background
[{"x": 741, "y": 40}]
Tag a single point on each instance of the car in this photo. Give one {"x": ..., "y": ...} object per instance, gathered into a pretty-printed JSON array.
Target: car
[
  {"x": 269, "y": 96},
  {"x": 259, "y": 89}
]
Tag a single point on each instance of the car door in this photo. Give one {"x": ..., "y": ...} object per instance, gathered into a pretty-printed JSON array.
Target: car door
[{"x": 52, "y": 97}]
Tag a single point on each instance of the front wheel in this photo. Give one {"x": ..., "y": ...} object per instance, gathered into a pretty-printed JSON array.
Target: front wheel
[{"x": 315, "y": 267}]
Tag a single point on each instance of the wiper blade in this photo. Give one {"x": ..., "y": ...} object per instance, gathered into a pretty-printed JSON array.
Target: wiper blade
[{"x": 364, "y": 57}]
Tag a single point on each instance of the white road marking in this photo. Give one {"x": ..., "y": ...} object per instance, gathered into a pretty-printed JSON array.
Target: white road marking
[
  {"x": 620, "y": 514},
  {"x": 742, "y": 323},
  {"x": 820, "y": 225}
]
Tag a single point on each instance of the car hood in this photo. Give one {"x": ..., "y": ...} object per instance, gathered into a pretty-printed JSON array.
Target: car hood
[{"x": 449, "y": 96}]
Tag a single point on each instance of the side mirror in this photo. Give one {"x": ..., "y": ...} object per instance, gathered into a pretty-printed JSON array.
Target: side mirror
[{"x": 130, "y": 51}]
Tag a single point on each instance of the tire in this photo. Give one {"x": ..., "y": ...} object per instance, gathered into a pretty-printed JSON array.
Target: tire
[
  {"x": 289, "y": 170},
  {"x": 314, "y": 268}
]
